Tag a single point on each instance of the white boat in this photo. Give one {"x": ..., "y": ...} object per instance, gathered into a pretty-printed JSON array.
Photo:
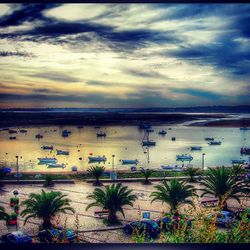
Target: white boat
[
  {"x": 56, "y": 165},
  {"x": 239, "y": 161},
  {"x": 195, "y": 148},
  {"x": 97, "y": 158},
  {"x": 168, "y": 167},
  {"x": 214, "y": 143},
  {"x": 47, "y": 147},
  {"x": 162, "y": 132},
  {"x": 47, "y": 160},
  {"x": 130, "y": 162},
  {"x": 101, "y": 134},
  {"x": 62, "y": 152},
  {"x": 184, "y": 157}
]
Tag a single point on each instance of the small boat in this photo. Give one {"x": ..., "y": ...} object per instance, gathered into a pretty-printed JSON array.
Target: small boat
[
  {"x": 47, "y": 147},
  {"x": 47, "y": 160},
  {"x": 11, "y": 131},
  {"x": 184, "y": 157},
  {"x": 214, "y": 143},
  {"x": 195, "y": 148},
  {"x": 208, "y": 138},
  {"x": 23, "y": 131},
  {"x": 239, "y": 161},
  {"x": 245, "y": 151},
  {"x": 133, "y": 168},
  {"x": 65, "y": 133},
  {"x": 38, "y": 136},
  {"x": 244, "y": 128},
  {"x": 130, "y": 162},
  {"x": 173, "y": 138},
  {"x": 6, "y": 170},
  {"x": 167, "y": 167},
  {"x": 74, "y": 168},
  {"x": 148, "y": 143},
  {"x": 97, "y": 158},
  {"x": 101, "y": 134},
  {"x": 150, "y": 130},
  {"x": 162, "y": 132},
  {"x": 12, "y": 137},
  {"x": 62, "y": 152},
  {"x": 56, "y": 165}
]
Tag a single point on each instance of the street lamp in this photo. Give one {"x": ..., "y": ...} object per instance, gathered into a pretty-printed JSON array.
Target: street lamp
[
  {"x": 17, "y": 168},
  {"x": 203, "y": 161},
  {"x": 113, "y": 163}
]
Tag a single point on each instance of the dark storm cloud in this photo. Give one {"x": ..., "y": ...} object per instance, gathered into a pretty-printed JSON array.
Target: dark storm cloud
[
  {"x": 25, "y": 13},
  {"x": 16, "y": 53},
  {"x": 55, "y": 76}
]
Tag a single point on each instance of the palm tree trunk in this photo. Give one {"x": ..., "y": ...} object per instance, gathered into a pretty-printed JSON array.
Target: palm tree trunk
[
  {"x": 112, "y": 218},
  {"x": 46, "y": 223}
]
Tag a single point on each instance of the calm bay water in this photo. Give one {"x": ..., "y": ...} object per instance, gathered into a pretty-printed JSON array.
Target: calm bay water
[{"x": 125, "y": 143}]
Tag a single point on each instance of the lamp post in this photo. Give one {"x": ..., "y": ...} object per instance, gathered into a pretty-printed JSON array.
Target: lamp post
[
  {"x": 113, "y": 163},
  {"x": 203, "y": 161},
  {"x": 17, "y": 168}
]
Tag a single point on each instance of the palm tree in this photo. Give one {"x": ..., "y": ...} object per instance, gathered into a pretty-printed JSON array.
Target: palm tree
[
  {"x": 221, "y": 183},
  {"x": 175, "y": 193},
  {"x": 45, "y": 206},
  {"x": 48, "y": 180},
  {"x": 112, "y": 198},
  {"x": 146, "y": 173},
  {"x": 96, "y": 172},
  {"x": 192, "y": 172},
  {"x": 3, "y": 215}
]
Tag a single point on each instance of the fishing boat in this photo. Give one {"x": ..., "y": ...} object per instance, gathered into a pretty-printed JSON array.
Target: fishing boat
[
  {"x": 12, "y": 137},
  {"x": 162, "y": 132},
  {"x": 208, "y": 138},
  {"x": 184, "y": 157},
  {"x": 56, "y": 165},
  {"x": 101, "y": 134},
  {"x": 195, "y": 148},
  {"x": 62, "y": 152},
  {"x": 47, "y": 160},
  {"x": 130, "y": 162},
  {"x": 244, "y": 128},
  {"x": 133, "y": 168},
  {"x": 238, "y": 161},
  {"x": 146, "y": 141},
  {"x": 47, "y": 147},
  {"x": 214, "y": 143},
  {"x": 167, "y": 167},
  {"x": 38, "y": 136},
  {"x": 11, "y": 131},
  {"x": 65, "y": 133},
  {"x": 97, "y": 158},
  {"x": 245, "y": 151},
  {"x": 74, "y": 168},
  {"x": 173, "y": 138},
  {"x": 23, "y": 131}
]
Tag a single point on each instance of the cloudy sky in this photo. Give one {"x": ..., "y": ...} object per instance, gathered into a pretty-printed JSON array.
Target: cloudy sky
[{"x": 124, "y": 55}]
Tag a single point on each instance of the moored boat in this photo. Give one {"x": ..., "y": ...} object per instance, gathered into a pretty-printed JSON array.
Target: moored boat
[
  {"x": 184, "y": 157},
  {"x": 214, "y": 143},
  {"x": 12, "y": 131},
  {"x": 65, "y": 133},
  {"x": 12, "y": 137},
  {"x": 167, "y": 167},
  {"x": 101, "y": 134},
  {"x": 162, "y": 132},
  {"x": 209, "y": 139},
  {"x": 148, "y": 143},
  {"x": 47, "y": 160},
  {"x": 173, "y": 138},
  {"x": 97, "y": 158},
  {"x": 62, "y": 152},
  {"x": 150, "y": 130},
  {"x": 195, "y": 148},
  {"x": 38, "y": 136},
  {"x": 47, "y": 147},
  {"x": 130, "y": 162},
  {"x": 23, "y": 131},
  {"x": 56, "y": 165}
]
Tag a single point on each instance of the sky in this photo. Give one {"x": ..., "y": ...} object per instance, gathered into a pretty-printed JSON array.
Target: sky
[{"x": 124, "y": 55}]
